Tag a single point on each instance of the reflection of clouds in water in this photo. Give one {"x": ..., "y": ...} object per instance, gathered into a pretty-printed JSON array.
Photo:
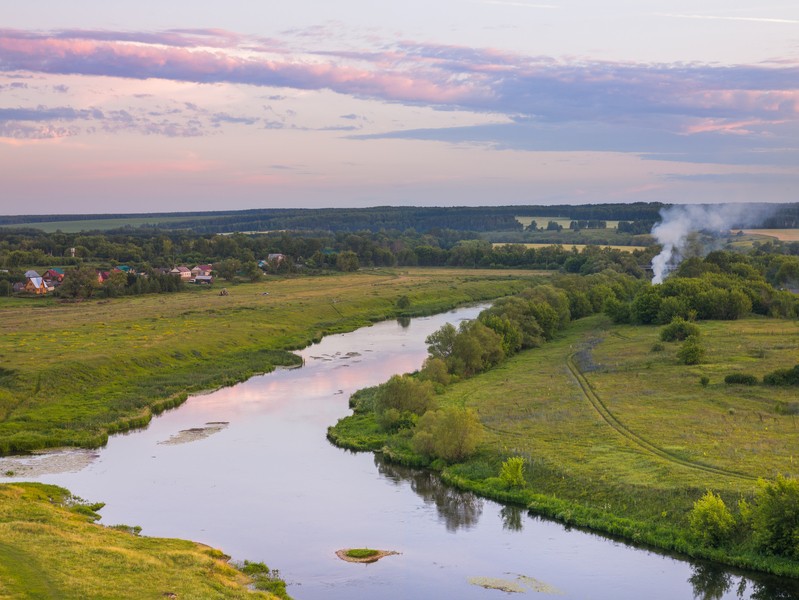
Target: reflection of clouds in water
[{"x": 456, "y": 509}]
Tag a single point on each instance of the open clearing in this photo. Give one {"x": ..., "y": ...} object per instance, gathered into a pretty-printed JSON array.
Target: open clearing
[
  {"x": 784, "y": 235},
  {"x": 577, "y": 247}
]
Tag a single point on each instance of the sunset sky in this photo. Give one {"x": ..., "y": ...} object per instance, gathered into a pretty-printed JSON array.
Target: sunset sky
[{"x": 120, "y": 107}]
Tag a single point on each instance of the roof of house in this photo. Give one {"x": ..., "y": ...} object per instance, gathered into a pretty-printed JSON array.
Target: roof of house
[
  {"x": 30, "y": 274},
  {"x": 37, "y": 281},
  {"x": 183, "y": 269}
]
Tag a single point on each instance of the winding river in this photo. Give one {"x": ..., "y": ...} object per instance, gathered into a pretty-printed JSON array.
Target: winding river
[{"x": 248, "y": 469}]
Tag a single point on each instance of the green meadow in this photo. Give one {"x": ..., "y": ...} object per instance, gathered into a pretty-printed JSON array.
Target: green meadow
[{"x": 72, "y": 373}]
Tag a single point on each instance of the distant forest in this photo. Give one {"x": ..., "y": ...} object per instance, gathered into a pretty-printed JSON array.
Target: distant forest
[{"x": 420, "y": 219}]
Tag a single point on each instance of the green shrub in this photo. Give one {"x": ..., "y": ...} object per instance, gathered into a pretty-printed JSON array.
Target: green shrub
[
  {"x": 679, "y": 329},
  {"x": 704, "y": 380},
  {"x": 658, "y": 347},
  {"x": 741, "y": 379},
  {"x": 710, "y": 520},
  {"x": 512, "y": 472},
  {"x": 691, "y": 351},
  {"x": 451, "y": 433},
  {"x": 775, "y": 516},
  {"x": 782, "y": 377}
]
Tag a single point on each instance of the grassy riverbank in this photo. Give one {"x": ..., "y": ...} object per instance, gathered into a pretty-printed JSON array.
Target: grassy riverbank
[
  {"x": 623, "y": 439},
  {"x": 72, "y": 373},
  {"x": 50, "y": 548}
]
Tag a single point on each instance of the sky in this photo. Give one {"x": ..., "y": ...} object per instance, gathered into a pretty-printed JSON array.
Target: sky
[{"x": 123, "y": 107}]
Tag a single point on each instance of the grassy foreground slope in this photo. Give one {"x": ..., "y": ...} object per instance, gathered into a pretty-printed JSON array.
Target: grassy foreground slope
[
  {"x": 49, "y": 548},
  {"x": 70, "y": 374}
]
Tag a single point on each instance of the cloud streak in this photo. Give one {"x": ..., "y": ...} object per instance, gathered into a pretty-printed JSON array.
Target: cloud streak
[{"x": 699, "y": 112}]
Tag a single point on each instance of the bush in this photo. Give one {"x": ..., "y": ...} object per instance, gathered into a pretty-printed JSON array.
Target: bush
[
  {"x": 679, "y": 329},
  {"x": 775, "y": 516},
  {"x": 710, "y": 520},
  {"x": 658, "y": 347},
  {"x": 740, "y": 379},
  {"x": 691, "y": 351},
  {"x": 782, "y": 377},
  {"x": 451, "y": 433},
  {"x": 704, "y": 380},
  {"x": 400, "y": 400},
  {"x": 512, "y": 472}
]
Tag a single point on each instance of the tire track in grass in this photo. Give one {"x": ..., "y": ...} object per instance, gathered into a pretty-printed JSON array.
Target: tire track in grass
[
  {"x": 639, "y": 441},
  {"x": 22, "y": 577}
]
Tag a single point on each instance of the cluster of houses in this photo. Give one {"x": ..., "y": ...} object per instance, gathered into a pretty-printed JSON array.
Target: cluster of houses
[
  {"x": 48, "y": 281},
  {"x": 201, "y": 274},
  {"x": 40, "y": 284}
]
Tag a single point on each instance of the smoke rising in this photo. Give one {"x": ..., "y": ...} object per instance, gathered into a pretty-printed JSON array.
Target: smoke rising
[{"x": 680, "y": 221}]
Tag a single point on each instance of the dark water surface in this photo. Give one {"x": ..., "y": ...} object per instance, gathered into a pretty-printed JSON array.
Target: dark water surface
[{"x": 248, "y": 469}]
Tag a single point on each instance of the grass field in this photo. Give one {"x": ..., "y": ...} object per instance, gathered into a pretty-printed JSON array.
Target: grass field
[
  {"x": 578, "y": 247},
  {"x": 97, "y": 224},
  {"x": 51, "y": 549},
  {"x": 70, "y": 374}
]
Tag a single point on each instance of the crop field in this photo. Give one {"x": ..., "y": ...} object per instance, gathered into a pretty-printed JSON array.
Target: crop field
[
  {"x": 604, "y": 421},
  {"x": 563, "y": 221},
  {"x": 784, "y": 235},
  {"x": 578, "y": 247},
  {"x": 71, "y": 373}
]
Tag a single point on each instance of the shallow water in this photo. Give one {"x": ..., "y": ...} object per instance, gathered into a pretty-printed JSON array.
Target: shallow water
[{"x": 248, "y": 469}]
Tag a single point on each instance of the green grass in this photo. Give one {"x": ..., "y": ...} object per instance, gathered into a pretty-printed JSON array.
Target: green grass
[
  {"x": 362, "y": 552},
  {"x": 72, "y": 373},
  {"x": 624, "y": 440},
  {"x": 52, "y": 549},
  {"x": 98, "y": 224}
]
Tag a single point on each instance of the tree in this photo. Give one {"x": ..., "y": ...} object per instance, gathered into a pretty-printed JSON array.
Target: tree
[
  {"x": 80, "y": 282},
  {"x": 402, "y": 399},
  {"x": 775, "y": 516},
  {"x": 710, "y": 520},
  {"x": 679, "y": 329},
  {"x": 347, "y": 261},
  {"x": 451, "y": 433},
  {"x": 440, "y": 342},
  {"x": 228, "y": 268}
]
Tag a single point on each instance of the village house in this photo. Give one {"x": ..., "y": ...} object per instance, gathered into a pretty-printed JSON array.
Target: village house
[
  {"x": 182, "y": 272},
  {"x": 36, "y": 285},
  {"x": 201, "y": 271}
]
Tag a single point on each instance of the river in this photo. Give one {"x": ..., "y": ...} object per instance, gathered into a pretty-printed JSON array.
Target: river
[{"x": 248, "y": 469}]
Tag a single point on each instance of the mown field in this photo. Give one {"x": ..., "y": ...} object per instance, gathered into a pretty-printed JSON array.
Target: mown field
[
  {"x": 562, "y": 221},
  {"x": 784, "y": 235},
  {"x": 71, "y": 373},
  {"x": 51, "y": 549},
  {"x": 577, "y": 247}
]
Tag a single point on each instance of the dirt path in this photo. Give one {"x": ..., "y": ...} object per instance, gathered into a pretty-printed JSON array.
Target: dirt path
[{"x": 641, "y": 442}]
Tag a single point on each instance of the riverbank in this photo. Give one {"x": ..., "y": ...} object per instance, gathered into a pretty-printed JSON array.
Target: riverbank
[
  {"x": 72, "y": 374},
  {"x": 620, "y": 439},
  {"x": 51, "y": 548}
]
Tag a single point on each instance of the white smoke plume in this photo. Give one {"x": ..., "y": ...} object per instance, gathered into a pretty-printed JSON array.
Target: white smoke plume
[{"x": 680, "y": 221}]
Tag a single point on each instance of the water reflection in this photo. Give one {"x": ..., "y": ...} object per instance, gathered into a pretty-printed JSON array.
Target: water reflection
[
  {"x": 456, "y": 509},
  {"x": 714, "y": 582},
  {"x": 511, "y": 518},
  {"x": 404, "y": 322},
  {"x": 710, "y": 582}
]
